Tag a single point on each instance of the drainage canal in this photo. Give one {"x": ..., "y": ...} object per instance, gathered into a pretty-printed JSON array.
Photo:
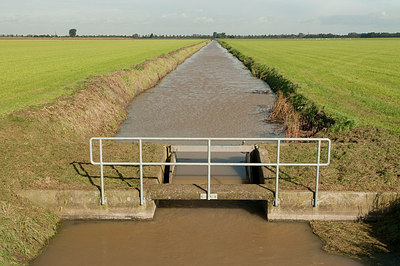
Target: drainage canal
[
  {"x": 210, "y": 95},
  {"x": 190, "y": 233}
]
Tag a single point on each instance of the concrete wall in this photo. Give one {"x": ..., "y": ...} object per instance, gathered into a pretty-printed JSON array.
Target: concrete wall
[
  {"x": 294, "y": 205},
  {"x": 333, "y": 205},
  {"x": 84, "y": 204}
]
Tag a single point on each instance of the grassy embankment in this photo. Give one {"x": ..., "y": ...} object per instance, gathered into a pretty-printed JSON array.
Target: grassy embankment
[
  {"x": 46, "y": 147},
  {"x": 351, "y": 82},
  {"x": 346, "y": 90},
  {"x": 37, "y": 71}
]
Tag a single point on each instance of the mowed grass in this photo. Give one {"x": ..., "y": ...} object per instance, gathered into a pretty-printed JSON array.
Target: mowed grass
[
  {"x": 357, "y": 78},
  {"x": 33, "y": 72}
]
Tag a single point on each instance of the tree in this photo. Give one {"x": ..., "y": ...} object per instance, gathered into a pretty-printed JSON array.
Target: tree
[{"x": 72, "y": 33}]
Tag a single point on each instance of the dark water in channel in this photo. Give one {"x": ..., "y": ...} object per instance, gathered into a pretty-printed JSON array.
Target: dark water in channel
[{"x": 210, "y": 95}]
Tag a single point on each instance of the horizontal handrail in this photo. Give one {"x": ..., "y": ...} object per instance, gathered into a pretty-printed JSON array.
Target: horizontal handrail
[
  {"x": 212, "y": 139},
  {"x": 209, "y": 163},
  {"x": 205, "y": 164}
]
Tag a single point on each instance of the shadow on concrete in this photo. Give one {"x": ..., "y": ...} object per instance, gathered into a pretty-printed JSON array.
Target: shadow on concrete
[{"x": 198, "y": 186}]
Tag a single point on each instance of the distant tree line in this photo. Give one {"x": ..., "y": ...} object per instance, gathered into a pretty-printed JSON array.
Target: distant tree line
[
  {"x": 133, "y": 36},
  {"x": 309, "y": 36},
  {"x": 217, "y": 35}
]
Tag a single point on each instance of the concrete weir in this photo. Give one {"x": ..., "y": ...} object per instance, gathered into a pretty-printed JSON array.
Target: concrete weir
[{"x": 294, "y": 205}]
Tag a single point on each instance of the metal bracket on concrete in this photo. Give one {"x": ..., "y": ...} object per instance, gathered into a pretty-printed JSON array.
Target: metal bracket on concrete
[
  {"x": 212, "y": 196},
  {"x": 276, "y": 202},
  {"x": 141, "y": 202},
  {"x": 315, "y": 202},
  {"x": 103, "y": 202}
]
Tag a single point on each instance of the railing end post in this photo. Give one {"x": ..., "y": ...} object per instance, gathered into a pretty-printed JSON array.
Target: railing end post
[{"x": 141, "y": 200}]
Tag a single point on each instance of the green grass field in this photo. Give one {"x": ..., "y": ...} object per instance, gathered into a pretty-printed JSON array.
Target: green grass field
[
  {"x": 357, "y": 78},
  {"x": 34, "y": 72}
]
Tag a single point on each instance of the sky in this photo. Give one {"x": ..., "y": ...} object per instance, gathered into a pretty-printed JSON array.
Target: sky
[{"x": 172, "y": 17}]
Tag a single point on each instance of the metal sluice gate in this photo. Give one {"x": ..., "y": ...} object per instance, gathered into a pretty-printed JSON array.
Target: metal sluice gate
[{"x": 210, "y": 145}]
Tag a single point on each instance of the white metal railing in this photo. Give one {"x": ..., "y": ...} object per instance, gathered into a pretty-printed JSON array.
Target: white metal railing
[{"x": 209, "y": 163}]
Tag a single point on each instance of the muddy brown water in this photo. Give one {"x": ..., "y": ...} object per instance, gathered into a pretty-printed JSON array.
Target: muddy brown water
[
  {"x": 190, "y": 233},
  {"x": 210, "y": 95}
]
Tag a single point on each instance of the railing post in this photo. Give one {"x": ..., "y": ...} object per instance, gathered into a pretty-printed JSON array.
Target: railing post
[
  {"x": 141, "y": 171},
  {"x": 315, "y": 200},
  {"x": 103, "y": 199},
  {"x": 209, "y": 169},
  {"x": 278, "y": 150}
]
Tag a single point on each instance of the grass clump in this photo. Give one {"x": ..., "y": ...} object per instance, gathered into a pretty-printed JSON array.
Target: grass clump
[
  {"x": 24, "y": 228},
  {"x": 373, "y": 242}
]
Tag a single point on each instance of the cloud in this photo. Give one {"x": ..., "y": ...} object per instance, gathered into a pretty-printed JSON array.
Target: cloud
[
  {"x": 381, "y": 18},
  {"x": 205, "y": 20},
  {"x": 170, "y": 15},
  {"x": 262, "y": 20},
  {"x": 175, "y": 15},
  {"x": 10, "y": 19},
  {"x": 189, "y": 16}
]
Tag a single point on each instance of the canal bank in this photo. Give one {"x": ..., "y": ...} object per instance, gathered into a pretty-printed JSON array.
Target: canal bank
[{"x": 46, "y": 148}]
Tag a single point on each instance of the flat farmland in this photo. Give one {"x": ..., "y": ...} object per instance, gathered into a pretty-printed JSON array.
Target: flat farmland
[
  {"x": 33, "y": 72},
  {"x": 357, "y": 78}
]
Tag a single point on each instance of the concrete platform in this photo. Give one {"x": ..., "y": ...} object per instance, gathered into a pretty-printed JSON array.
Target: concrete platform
[
  {"x": 193, "y": 191},
  {"x": 294, "y": 205},
  {"x": 333, "y": 205},
  {"x": 85, "y": 204}
]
